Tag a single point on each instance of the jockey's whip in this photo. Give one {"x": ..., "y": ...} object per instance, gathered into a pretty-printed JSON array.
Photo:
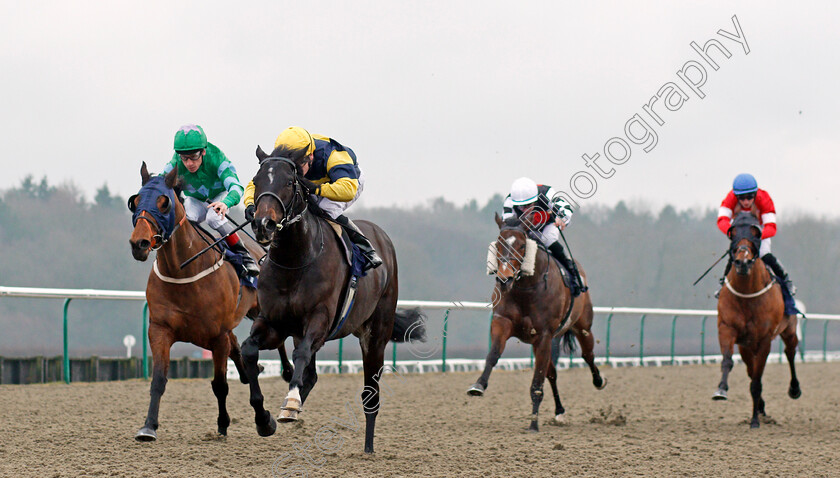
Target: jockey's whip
[
  {"x": 710, "y": 268},
  {"x": 237, "y": 225},
  {"x": 574, "y": 264},
  {"x": 188, "y": 261}
]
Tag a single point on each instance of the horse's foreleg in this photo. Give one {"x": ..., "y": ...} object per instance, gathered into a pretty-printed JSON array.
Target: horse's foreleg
[
  {"x": 310, "y": 377},
  {"x": 236, "y": 357},
  {"x": 791, "y": 341},
  {"x": 587, "y": 344},
  {"x": 160, "y": 340},
  {"x": 726, "y": 337},
  {"x": 542, "y": 360},
  {"x": 261, "y": 337},
  {"x": 759, "y": 360},
  {"x": 500, "y": 330},
  {"x": 302, "y": 356},
  {"x": 551, "y": 375},
  {"x": 221, "y": 349}
]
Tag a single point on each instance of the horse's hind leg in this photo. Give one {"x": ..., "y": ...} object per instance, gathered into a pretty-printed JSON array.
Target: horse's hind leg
[
  {"x": 221, "y": 349},
  {"x": 587, "y": 344},
  {"x": 160, "y": 340},
  {"x": 262, "y": 337},
  {"x": 791, "y": 341},
  {"x": 542, "y": 361},
  {"x": 500, "y": 330},
  {"x": 559, "y": 411},
  {"x": 726, "y": 337},
  {"x": 287, "y": 369},
  {"x": 236, "y": 357}
]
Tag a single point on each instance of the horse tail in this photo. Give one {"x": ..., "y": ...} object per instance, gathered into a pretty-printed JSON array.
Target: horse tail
[
  {"x": 567, "y": 342},
  {"x": 409, "y": 326}
]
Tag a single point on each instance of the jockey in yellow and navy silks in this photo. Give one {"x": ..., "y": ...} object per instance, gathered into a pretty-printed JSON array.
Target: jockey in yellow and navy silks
[
  {"x": 211, "y": 186},
  {"x": 331, "y": 173},
  {"x": 547, "y": 214}
]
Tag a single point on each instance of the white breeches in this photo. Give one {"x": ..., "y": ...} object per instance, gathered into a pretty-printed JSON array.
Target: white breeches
[{"x": 337, "y": 208}]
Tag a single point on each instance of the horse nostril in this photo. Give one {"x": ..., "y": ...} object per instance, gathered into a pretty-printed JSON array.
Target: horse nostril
[
  {"x": 268, "y": 224},
  {"x": 144, "y": 244}
]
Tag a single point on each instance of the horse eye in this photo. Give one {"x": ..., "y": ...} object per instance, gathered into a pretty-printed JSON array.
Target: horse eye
[
  {"x": 164, "y": 208},
  {"x": 290, "y": 182}
]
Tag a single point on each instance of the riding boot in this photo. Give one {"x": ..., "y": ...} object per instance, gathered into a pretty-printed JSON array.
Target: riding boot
[
  {"x": 770, "y": 260},
  {"x": 574, "y": 276},
  {"x": 373, "y": 259},
  {"x": 251, "y": 267}
]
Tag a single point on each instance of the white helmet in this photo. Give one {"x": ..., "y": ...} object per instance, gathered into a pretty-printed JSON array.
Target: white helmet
[{"x": 523, "y": 191}]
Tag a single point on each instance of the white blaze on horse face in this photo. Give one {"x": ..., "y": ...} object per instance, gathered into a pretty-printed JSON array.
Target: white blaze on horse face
[
  {"x": 271, "y": 175},
  {"x": 510, "y": 240}
]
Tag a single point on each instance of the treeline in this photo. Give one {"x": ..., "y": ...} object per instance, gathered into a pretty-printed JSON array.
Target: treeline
[{"x": 53, "y": 237}]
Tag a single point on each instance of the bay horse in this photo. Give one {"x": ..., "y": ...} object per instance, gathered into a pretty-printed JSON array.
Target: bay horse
[
  {"x": 535, "y": 308},
  {"x": 751, "y": 314},
  {"x": 200, "y": 304},
  {"x": 303, "y": 279}
]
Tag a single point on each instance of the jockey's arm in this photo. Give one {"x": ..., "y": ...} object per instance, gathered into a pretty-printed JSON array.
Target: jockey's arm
[
  {"x": 342, "y": 182},
  {"x": 248, "y": 197}
]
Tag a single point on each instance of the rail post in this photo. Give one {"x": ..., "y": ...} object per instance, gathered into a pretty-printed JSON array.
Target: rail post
[
  {"x": 642, "y": 341},
  {"x": 609, "y": 321},
  {"x": 66, "y": 356},
  {"x": 443, "y": 354},
  {"x": 802, "y": 342},
  {"x": 703, "y": 340},
  {"x": 394, "y": 355},
  {"x": 673, "y": 331},
  {"x": 340, "y": 350}
]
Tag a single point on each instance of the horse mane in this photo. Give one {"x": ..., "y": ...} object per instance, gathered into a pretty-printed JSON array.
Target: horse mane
[
  {"x": 513, "y": 221},
  {"x": 295, "y": 155}
]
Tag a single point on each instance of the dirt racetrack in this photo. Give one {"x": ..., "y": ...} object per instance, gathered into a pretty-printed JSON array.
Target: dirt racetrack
[{"x": 647, "y": 422}]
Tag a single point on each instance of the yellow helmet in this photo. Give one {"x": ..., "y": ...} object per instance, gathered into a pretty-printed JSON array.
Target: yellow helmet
[{"x": 295, "y": 139}]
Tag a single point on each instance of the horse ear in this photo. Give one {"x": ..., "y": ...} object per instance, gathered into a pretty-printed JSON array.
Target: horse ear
[
  {"x": 261, "y": 154},
  {"x": 499, "y": 220},
  {"x": 172, "y": 178},
  {"x": 144, "y": 174}
]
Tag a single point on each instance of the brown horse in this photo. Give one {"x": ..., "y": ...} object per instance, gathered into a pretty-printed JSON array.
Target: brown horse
[
  {"x": 535, "y": 308},
  {"x": 301, "y": 285},
  {"x": 751, "y": 314},
  {"x": 200, "y": 304}
]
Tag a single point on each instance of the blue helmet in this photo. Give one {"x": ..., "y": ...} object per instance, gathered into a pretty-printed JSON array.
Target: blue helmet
[{"x": 744, "y": 184}]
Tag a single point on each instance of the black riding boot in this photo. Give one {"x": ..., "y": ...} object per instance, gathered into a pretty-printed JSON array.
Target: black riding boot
[
  {"x": 770, "y": 260},
  {"x": 251, "y": 267},
  {"x": 577, "y": 284},
  {"x": 373, "y": 259}
]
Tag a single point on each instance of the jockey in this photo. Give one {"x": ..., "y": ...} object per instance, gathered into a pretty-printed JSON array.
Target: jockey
[
  {"x": 331, "y": 174},
  {"x": 211, "y": 186},
  {"x": 746, "y": 196},
  {"x": 552, "y": 212}
]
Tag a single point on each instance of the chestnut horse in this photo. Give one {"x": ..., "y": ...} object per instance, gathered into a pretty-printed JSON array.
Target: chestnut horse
[
  {"x": 200, "y": 304},
  {"x": 301, "y": 286},
  {"x": 751, "y": 314},
  {"x": 535, "y": 308}
]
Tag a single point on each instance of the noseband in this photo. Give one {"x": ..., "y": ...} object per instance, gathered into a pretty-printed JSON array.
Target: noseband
[{"x": 298, "y": 192}]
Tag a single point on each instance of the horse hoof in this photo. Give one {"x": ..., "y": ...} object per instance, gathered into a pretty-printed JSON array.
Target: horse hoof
[
  {"x": 794, "y": 394},
  {"x": 268, "y": 429},
  {"x": 559, "y": 419},
  {"x": 476, "y": 390},
  {"x": 534, "y": 428},
  {"x": 603, "y": 384},
  {"x": 287, "y": 416},
  {"x": 146, "y": 434},
  {"x": 754, "y": 423},
  {"x": 719, "y": 395}
]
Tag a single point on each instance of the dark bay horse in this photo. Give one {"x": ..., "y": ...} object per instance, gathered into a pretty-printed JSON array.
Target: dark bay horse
[
  {"x": 302, "y": 282},
  {"x": 532, "y": 308},
  {"x": 200, "y": 304},
  {"x": 751, "y": 314}
]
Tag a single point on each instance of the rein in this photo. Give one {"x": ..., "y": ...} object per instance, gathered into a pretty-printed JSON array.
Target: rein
[{"x": 285, "y": 221}]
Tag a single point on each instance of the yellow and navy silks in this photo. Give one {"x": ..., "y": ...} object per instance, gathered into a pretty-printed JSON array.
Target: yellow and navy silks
[{"x": 333, "y": 167}]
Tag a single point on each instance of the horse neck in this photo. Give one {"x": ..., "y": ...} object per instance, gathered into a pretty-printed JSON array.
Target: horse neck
[
  {"x": 757, "y": 279},
  {"x": 184, "y": 243},
  {"x": 298, "y": 243}
]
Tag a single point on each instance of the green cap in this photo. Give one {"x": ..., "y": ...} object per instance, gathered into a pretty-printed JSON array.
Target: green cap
[{"x": 189, "y": 138}]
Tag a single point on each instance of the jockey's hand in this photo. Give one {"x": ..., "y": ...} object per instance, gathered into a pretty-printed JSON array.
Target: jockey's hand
[
  {"x": 310, "y": 186},
  {"x": 560, "y": 223},
  {"x": 220, "y": 208},
  {"x": 250, "y": 212}
]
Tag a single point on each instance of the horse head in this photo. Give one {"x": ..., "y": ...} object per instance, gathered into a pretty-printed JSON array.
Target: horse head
[
  {"x": 511, "y": 246},
  {"x": 280, "y": 199},
  {"x": 745, "y": 242},
  {"x": 156, "y": 203}
]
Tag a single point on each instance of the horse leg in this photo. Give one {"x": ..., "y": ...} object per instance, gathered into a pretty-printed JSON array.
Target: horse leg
[
  {"x": 551, "y": 375},
  {"x": 726, "y": 337},
  {"x": 759, "y": 361},
  {"x": 791, "y": 341},
  {"x": 542, "y": 359},
  {"x": 310, "y": 377},
  {"x": 236, "y": 357},
  {"x": 500, "y": 330},
  {"x": 160, "y": 340},
  {"x": 287, "y": 369},
  {"x": 587, "y": 344},
  {"x": 221, "y": 349},
  {"x": 302, "y": 356},
  {"x": 262, "y": 337}
]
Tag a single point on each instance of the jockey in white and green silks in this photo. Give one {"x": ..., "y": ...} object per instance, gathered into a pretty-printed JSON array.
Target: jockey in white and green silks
[{"x": 211, "y": 186}]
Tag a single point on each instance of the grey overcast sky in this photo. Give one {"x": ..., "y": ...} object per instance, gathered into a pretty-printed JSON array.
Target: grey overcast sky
[{"x": 452, "y": 99}]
